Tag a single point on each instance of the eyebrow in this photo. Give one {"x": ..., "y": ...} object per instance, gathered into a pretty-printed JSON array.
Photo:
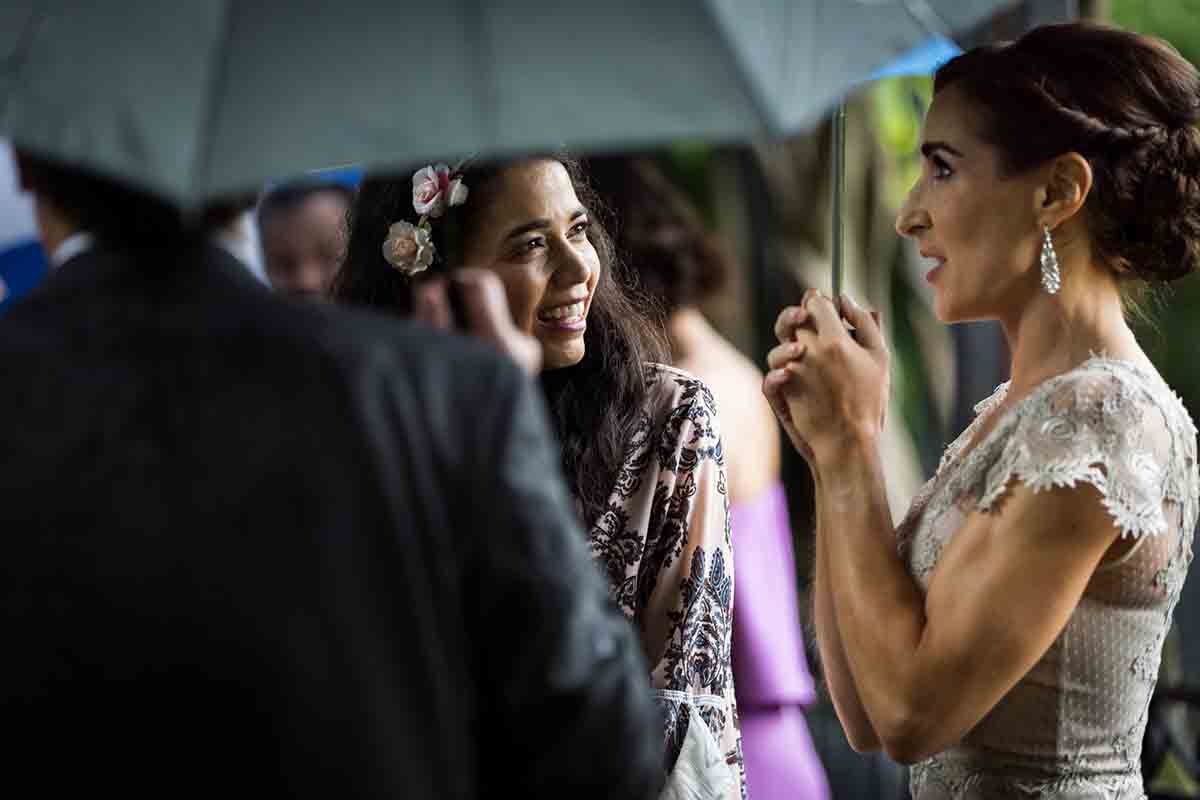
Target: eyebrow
[
  {"x": 539, "y": 224},
  {"x": 929, "y": 148}
]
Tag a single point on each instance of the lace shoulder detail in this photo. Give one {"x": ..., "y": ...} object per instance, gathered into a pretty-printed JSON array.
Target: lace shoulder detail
[
  {"x": 1106, "y": 423},
  {"x": 950, "y": 456},
  {"x": 983, "y": 410}
]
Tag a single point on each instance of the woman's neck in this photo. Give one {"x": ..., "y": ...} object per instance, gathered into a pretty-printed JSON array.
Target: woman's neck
[{"x": 1055, "y": 333}]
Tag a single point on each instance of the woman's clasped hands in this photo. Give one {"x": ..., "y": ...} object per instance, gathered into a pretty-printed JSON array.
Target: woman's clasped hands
[{"x": 828, "y": 385}]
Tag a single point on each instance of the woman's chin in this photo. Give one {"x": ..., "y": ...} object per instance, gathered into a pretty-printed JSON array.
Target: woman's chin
[
  {"x": 946, "y": 310},
  {"x": 561, "y": 355}
]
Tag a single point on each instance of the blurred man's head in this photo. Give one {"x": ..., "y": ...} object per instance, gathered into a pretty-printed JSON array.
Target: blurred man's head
[
  {"x": 303, "y": 232},
  {"x": 69, "y": 199}
]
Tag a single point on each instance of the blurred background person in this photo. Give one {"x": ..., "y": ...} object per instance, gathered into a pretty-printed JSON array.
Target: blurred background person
[
  {"x": 302, "y": 225},
  {"x": 661, "y": 236},
  {"x": 640, "y": 440},
  {"x": 22, "y": 259}
]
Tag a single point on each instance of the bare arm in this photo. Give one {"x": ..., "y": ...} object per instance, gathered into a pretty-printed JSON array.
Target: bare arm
[
  {"x": 834, "y": 666},
  {"x": 928, "y": 668},
  {"x": 927, "y": 665}
]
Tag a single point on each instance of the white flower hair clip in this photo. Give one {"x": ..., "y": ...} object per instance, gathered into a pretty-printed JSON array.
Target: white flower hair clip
[{"x": 408, "y": 247}]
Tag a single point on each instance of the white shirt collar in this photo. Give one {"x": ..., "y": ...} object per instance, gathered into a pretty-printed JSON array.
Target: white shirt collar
[
  {"x": 240, "y": 240},
  {"x": 73, "y": 245}
]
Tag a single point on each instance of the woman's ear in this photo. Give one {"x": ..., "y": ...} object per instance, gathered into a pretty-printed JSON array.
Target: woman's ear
[{"x": 1068, "y": 182}]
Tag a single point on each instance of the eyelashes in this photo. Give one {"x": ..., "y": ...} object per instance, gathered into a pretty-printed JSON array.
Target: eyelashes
[{"x": 941, "y": 169}]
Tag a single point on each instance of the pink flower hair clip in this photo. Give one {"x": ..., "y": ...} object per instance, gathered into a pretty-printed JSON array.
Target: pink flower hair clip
[{"x": 409, "y": 248}]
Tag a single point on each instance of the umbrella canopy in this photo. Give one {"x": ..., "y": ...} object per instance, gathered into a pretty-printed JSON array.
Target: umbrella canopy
[{"x": 194, "y": 100}]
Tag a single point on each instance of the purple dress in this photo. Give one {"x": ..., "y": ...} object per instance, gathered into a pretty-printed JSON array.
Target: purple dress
[{"x": 773, "y": 681}]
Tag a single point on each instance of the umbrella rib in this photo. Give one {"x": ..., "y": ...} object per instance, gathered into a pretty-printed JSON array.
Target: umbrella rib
[
  {"x": 217, "y": 82},
  {"x": 757, "y": 94},
  {"x": 14, "y": 64},
  {"x": 486, "y": 100},
  {"x": 924, "y": 15}
]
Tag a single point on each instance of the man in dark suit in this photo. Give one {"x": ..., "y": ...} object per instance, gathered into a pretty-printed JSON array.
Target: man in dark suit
[{"x": 251, "y": 547}]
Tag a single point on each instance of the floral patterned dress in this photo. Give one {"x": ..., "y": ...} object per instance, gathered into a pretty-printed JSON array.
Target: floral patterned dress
[{"x": 664, "y": 544}]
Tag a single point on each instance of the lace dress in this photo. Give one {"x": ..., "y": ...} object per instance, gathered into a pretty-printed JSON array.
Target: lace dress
[
  {"x": 1072, "y": 727},
  {"x": 664, "y": 543}
]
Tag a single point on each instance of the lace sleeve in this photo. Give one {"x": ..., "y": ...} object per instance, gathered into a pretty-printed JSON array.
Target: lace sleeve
[{"x": 1103, "y": 425}]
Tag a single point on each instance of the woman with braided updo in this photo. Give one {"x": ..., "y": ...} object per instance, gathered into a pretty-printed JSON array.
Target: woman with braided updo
[{"x": 1005, "y": 638}]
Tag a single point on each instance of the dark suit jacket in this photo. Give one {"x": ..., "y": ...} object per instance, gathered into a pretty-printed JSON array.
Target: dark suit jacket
[{"x": 249, "y": 547}]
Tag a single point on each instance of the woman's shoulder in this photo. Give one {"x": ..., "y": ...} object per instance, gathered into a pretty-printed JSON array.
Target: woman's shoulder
[
  {"x": 682, "y": 412},
  {"x": 670, "y": 388},
  {"x": 1112, "y": 423},
  {"x": 1111, "y": 394}
]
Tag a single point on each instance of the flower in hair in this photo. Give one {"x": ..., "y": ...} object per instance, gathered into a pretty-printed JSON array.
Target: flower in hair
[
  {"x": 408, "y": 247},
  {"x": 436, "y": 188}
]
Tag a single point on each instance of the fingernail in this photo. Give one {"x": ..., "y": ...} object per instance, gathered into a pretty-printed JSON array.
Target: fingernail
[{"x": 846, "y": 298}]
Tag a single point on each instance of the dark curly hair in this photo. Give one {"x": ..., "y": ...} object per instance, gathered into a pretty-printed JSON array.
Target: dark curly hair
[
  {"x": 595, "y": 405},
  {"x": 659, "y": 232},
  {"x": 1127, "y": 103}
]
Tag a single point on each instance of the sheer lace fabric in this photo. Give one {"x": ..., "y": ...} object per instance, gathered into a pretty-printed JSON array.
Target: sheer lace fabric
[{"x": 1073, "y": 726}]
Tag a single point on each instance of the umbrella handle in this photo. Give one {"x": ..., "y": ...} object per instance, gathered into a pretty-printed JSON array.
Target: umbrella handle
[{"x": 838, "y": 199}]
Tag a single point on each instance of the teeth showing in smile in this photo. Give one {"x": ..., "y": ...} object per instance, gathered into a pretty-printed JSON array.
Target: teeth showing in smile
[{"x": 571, "y": 313}]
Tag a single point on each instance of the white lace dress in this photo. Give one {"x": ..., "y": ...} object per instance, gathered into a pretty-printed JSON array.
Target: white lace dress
[{"x": 1072, "y": 727}]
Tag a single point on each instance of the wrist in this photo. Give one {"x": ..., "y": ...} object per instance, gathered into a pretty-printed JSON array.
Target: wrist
[{"x": 847, "y": 447}]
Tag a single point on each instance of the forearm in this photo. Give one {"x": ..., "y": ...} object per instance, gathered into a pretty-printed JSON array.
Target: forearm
[
  {"x": 879, "y": 610},
  {"x": 834, "y": 666}
]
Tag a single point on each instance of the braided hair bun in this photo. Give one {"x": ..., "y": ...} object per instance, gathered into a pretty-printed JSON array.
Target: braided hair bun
[{"x": 1128, "y": 103}]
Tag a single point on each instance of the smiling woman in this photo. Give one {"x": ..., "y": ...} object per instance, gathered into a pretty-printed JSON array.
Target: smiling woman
[{"x": 641, "y": 446}]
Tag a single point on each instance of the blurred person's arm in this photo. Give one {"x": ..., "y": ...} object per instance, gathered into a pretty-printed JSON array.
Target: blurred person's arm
[{"x": 566, "y": 699}]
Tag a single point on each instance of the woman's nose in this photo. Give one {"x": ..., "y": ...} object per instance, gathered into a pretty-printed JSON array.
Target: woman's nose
[
  {"x": 571, "y": 267},
  {"x": 912, "y": 219}
]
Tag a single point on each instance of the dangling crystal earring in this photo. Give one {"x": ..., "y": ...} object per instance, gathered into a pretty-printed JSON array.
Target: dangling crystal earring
[{"x": 1051, "y": 277}]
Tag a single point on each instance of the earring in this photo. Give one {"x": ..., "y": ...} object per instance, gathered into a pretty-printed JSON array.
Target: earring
[{"x": 1051, "y": 277}]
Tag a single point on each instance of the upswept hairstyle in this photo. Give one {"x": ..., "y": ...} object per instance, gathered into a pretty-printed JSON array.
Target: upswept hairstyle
[{"x": 1129, "y": 104}]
